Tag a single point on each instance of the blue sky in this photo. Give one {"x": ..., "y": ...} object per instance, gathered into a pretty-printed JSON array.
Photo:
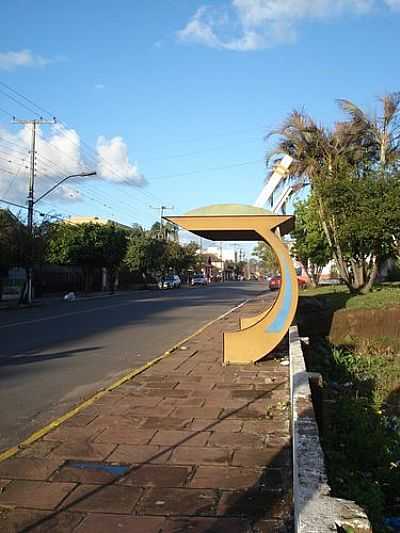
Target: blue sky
[{"x": 176, "y": 96}]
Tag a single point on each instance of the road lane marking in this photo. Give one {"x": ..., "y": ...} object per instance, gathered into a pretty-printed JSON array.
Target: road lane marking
[{"x": 10, "y": 452}]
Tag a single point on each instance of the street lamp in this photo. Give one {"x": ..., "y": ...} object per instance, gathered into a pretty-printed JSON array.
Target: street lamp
[{"x": 31, "y": 203}]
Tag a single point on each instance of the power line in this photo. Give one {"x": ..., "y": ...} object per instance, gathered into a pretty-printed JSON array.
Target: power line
[
  {"x": 173, "y": 176},
  {"x": 19, "y": 103},
  {"x": 21, "y": 206}
]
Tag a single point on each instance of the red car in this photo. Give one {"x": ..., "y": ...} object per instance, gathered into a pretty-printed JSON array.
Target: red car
[{"x": 275, "y": 283}]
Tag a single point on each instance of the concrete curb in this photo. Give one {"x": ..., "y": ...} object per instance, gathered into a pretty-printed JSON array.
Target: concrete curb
[{"x": 315, "y": 511}]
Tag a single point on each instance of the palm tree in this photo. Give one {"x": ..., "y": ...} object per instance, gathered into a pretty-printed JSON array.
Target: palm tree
[
  {"x": 378, "y": 136},
  {"x": 318, "y": 154}
]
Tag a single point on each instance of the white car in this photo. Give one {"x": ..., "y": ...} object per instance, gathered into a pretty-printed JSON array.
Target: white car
[
  {"x": 199, "y": 279},
  {"x": 172, "y": 281}
]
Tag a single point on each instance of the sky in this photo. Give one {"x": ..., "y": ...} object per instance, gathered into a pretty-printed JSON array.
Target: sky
[{"x": 169, "y": 101}]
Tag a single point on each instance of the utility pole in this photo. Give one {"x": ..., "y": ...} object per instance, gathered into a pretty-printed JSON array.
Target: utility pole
[
  {"x": 162, "y": 208},
  {"x": 31, "y": 191},
  {"x": 222, "y": 262}
]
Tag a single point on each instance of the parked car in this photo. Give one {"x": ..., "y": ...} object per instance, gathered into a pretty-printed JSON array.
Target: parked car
[
  {"x": 11, "y": 294},
  {"x": 172, "y": 281},
  {"x": 199, "y": 279},
  {"x": 275, "y": 283}
]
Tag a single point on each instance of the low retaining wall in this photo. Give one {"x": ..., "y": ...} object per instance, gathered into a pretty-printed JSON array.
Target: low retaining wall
[{"x": 315, "y": 511}]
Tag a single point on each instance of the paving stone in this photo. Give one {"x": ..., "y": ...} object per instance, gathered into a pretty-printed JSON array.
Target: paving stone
[
  {"x": 216, "y": 425},
  {"x": 96, "y": 451},
  {"x": 225, "y": 477},
  {"x": 31, "y": 468},
  {"x": 16, "y": 520},
  {"x": 117, "y": 420},
  {"x": 197, "y": 412},
  {"x": 35, "y": 494},
  {"x": 272, "y": 457},
  {"x": 178, "y": 502},
  {"x": 254, "y": 503},
  {"x": 167, "y": 393},
  {"x": 194, "y": 402},
  {"x": 265, "y": 427},
  {"x": 41, "y": 448},
  {"x": 278, "y": 441},
  {"x": 219, "y": 394},
  {"x": 79, "y": 420},
  {"x": 229, "y": 386},
  {"x": 170, "y": 423},
  {"x": 226, "y": 404},
  {"x": 126, "y": 435},
  {"x": 180, "y": 377},
  {"x": 160, "y": 383},
  {"x": 186, "y": 455},
  {"x": 245, "y": 413},
  {"x": 104, "y": 499},
  {"x": 202, "y": 386},
  {"x": 81, "y": 475},
  {"x": 236, "y": 440},
  {"x": 162, "y": 410},
  {"x": 72, "y": 433},
  {"x": 129, "y": 524},
  {"x": 205, "y": 525},
  {"x": 138, "y": 399},
  {"x": 156, "y": 476},
  {"x": 140, "y": 454},
  {"x": 180, "y": 438}
]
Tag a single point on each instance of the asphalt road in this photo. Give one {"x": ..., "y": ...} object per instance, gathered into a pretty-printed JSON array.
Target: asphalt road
[{"x": 55, "y": 355}]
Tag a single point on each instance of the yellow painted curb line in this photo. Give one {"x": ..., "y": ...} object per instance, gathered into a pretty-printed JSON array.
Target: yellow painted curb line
[{"x": 131, "y": 374}]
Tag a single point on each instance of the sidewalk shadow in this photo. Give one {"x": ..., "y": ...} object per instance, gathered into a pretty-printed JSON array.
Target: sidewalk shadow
[{"x": 257, "y": 500}]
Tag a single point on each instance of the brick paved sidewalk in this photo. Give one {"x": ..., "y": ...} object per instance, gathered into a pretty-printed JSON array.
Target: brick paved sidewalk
[{"x": 187, "y": 446}]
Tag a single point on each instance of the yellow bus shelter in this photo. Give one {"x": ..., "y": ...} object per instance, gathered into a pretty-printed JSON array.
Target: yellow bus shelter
[{"x": 258, "y": 335}]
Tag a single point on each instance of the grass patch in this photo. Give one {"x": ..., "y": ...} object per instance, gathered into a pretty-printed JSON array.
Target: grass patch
[
  {"x": 339, "y": 297},
  {"x": 360, "y": 413},
  {"x": 360, "y": 428}
]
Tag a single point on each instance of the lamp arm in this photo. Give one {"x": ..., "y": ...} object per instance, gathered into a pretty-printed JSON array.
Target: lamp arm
[{"x": 59, "y": 183}]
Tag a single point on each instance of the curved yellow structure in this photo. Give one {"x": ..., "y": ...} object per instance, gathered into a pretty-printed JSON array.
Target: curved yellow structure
[{"x": 260, "y": 334}]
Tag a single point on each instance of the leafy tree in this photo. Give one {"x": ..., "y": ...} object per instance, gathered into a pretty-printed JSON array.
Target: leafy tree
[
  {"x": 311, "y": 247},
  {"x": 264, "y": 253},
  {"x": 8, "y": 253},
  {"x": 145, "y": 254},
  {"x": 18, "y": 248},
  {"x": 89, "y": 246},
  {"x": 368, "y": 217},
  {"x": 154, "y": 257}
]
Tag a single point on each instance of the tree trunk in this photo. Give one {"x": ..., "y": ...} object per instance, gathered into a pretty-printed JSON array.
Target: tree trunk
[
  {"x": 358, "y": 274},
  {"x": 372, "y": 277},
  {"x": 335, "y": 248}
]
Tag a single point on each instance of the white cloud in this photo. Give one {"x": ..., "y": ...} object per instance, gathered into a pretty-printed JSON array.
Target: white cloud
[
  {"x": 200, "y": 29},
  {"x": 256, "y": 24},
  {"x": 114, "y": 164},
  {"x": 58, "y": 155},
  {"x": 22, "y": 58}
]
